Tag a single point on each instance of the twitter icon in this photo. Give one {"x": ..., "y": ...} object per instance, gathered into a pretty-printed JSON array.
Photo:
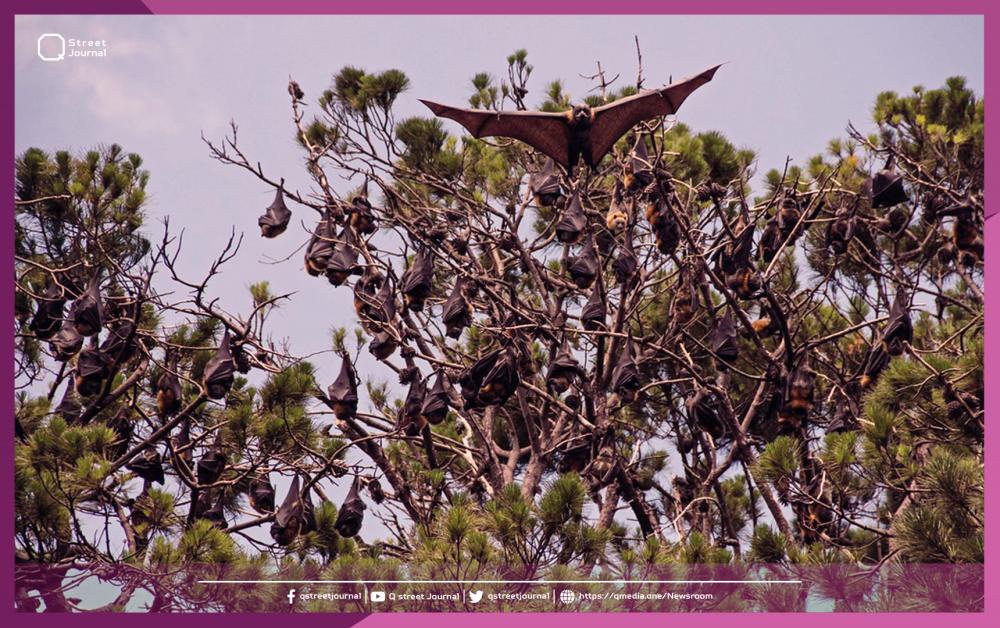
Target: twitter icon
[{"x": 475, "y": 596}]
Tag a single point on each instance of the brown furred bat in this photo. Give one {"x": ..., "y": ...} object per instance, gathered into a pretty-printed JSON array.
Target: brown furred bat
[
  {"x": 351, "y": 513},
  {"x": 276, "y": 217},
  {"x": 417, "y": 281},
  {"x": 544, "y": 184},
  {"x": 343, "y": 392},
  {"x": 582, "y": 132},
  {"x": 219, "y": 371}
]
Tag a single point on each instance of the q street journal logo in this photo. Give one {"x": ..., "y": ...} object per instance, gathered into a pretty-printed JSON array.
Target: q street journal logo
[{"x": 55, "y": 47}]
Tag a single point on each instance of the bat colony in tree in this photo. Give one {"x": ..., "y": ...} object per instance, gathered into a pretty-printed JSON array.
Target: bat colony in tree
[{"x": 519, "y": 382}]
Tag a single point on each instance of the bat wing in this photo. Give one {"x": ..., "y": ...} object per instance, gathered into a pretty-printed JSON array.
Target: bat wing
[
  {"x": 613, "y": 120},
  {"x": 546, "y": 132}
]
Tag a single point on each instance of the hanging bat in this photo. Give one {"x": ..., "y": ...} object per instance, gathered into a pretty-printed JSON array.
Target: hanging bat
[
  {"x": 876, "y": 361},
  {"x": 382, "y": 345},
  {"x": 626, "y": 264},
  {"x": 895, "y": 222},
  {"x": 545, "y": 185},
  {"x": 899, "y": 327},
  {"x": 617, "y": 217},
  {"x": 375, "y": 309},
  {"x": 168, "y": 389},
  {"x": 595, "y": 311},
  {"x": 91, "y": 370},
  {"x": 575, "y": 459},
  {"x": 360, "y": 214},
  {"x": 583, "y": 268},
  {"x": 840, "y": 231},
  {"x": 686, "y": 302},
  {"x": 261, "y": 494},
  {"x": 765, "y": 325},
  {"x": 639, "y": 172},
  {"x": 770, "y": 241},
  {"x": 66, "y": 343},
  {"x": 625, "y": 376},
  {"x": 277, "y": 215},
  {"x": 70, "y": 407},
  {"x": 219, "y": 370},
  {"x": 321, "y": 245},
  {"x": 212, "y": 463},
  {"x": 417, "y": 281},
  {"x": 215, "y": 514},
  {"x": 582, "y": 132},
  {"x": 409, "y": 418},
  {"x": 351, "y": 514},
  {"x": 843, "y": 419},
  {"x": 344, "y": 260},
  {"x": 148, "y": 466},
  {"x": 967, "y": 235},
  {"x": 723, "y": 341},
  {"x": 119, "y": 346},
  {"x": 572, "y": 222},
  {"x": 788, "y": 215},
  {"x": 885, "y": 188},
  {"x": 490, "y": 380},
  {"x": 457, "y": 312},
  {"x": 121, "y": 425},
  {"x": 736, "y": 252},
  {"x": 563, "y": 371},
  {"x": 435, "y": 404},
  {"x": 663, "y": 225},
  {"x": 703, "y": 411},
  {"x": 798, "y": 398},
  {"x": 88, "y": 309},
  {"x": 343, "y": 392},
  {"x": 49, "y": 313},
  {"x": 288, "y": 518},
  {"x": 308, "y": 514},
  {"x": 375, "y": 489}
]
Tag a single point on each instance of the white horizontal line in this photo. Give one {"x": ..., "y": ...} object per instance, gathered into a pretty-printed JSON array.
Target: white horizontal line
[{"x": 533, "y": 582}]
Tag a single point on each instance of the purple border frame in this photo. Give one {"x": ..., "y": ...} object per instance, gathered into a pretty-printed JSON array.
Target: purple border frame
[{"x": 986, "y": 8}]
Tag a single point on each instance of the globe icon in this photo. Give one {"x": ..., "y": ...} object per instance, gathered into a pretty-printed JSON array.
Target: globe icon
[{"x": 567, "y": 596}]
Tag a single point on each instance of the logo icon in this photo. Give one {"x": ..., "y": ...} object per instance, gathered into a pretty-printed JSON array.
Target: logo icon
[
  {"x": 475, "y": 596},
  {"x": 291, "y": 596},
  {"x": 566, "y": 596},
  {"x": 377, "y": 596},
  {"x": 51, "y": 47}
]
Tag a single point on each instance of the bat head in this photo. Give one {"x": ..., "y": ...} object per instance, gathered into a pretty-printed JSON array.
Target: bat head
[{"x": 581, "y": 115}]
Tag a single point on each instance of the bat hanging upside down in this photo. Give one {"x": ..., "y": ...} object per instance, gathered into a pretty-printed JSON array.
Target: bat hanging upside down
[{"x": 582, "y": 131}]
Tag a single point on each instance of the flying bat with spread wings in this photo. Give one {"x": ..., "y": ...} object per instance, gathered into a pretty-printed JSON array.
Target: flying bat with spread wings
[{"x": 582, "y": 131}]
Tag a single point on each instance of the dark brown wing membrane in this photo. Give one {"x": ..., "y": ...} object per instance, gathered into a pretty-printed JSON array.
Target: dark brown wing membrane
[
  {"x": 435, "y": 403},
  {"x": 572, "y": 222},
  {"x": 545, "y": 185},
  {"x": 46, "y": 321},
  {"x": 288, "y": 518},
  {"x": 351, "y": 514},
  {"x": 594, "y": 311},
  {"x": 220, "y": 370},
  {"x": 88, "y": 310},
  {"x": 276, "y": 217},
  {"x": 261, "y": 494},
  {"x": 546, "y": 132},
  {"x": 416, "y": 282},
  {"x": 343, "y": 392},
  {"x": 613, "y": 120}
]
